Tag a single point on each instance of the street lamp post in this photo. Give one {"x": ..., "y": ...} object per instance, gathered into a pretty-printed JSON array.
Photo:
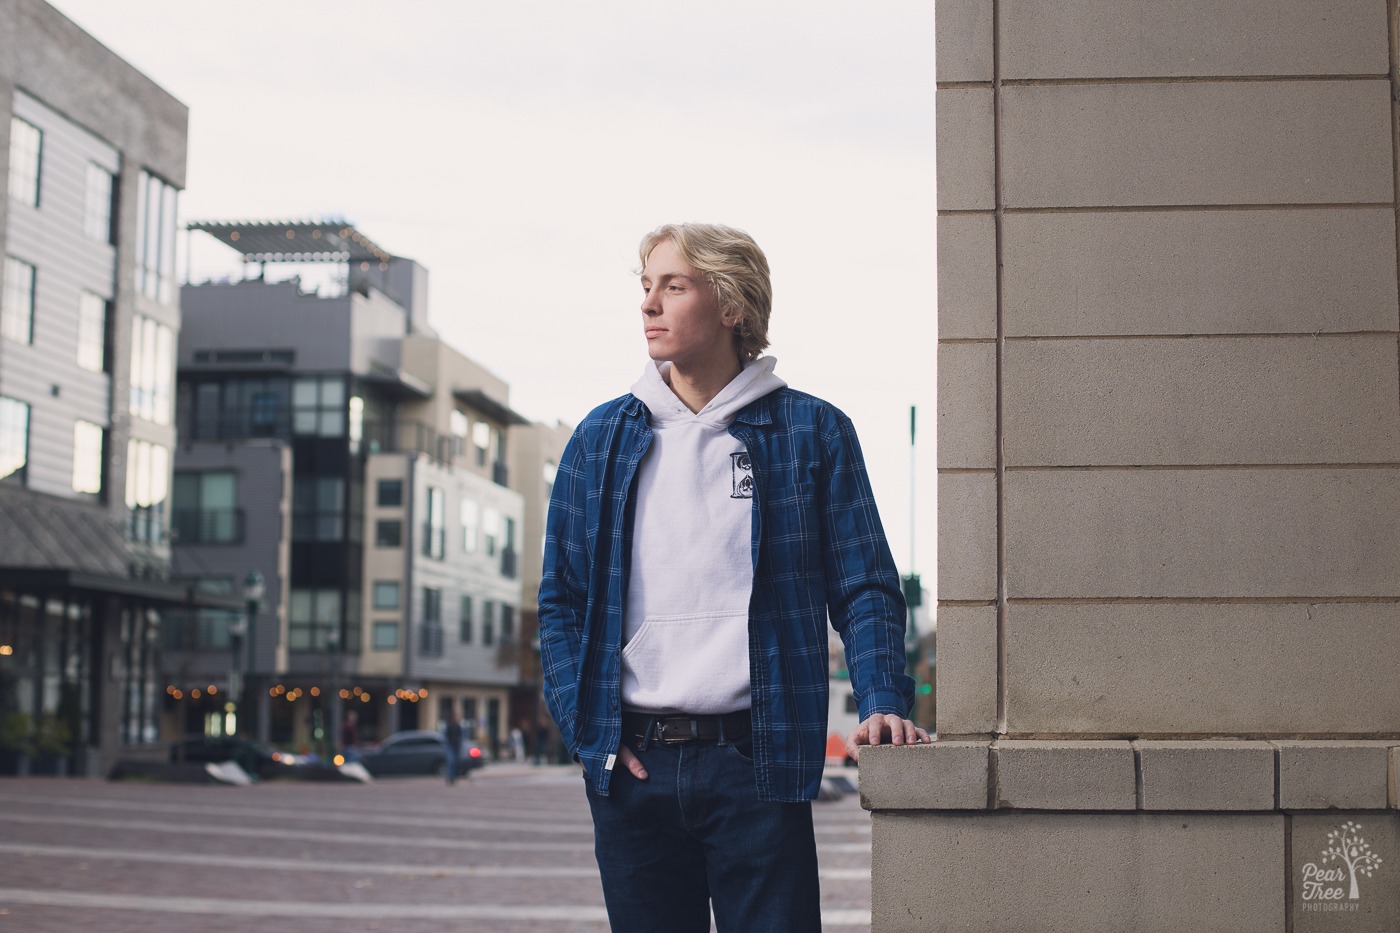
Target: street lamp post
[
  {"x": 333, "y": 727},
  {"x": 253, "y": 589},
  {"x": 236, "y": 627}
]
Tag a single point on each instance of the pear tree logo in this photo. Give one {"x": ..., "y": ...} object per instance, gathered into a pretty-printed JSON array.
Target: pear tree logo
[{"x": 1345, "y": 861}]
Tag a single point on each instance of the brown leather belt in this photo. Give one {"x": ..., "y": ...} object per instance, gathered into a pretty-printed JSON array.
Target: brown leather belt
[{"x": 679, "y": 728}]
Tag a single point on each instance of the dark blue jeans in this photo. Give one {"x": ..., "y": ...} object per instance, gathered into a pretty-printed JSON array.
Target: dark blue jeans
[{"x": 695, "y": 831}]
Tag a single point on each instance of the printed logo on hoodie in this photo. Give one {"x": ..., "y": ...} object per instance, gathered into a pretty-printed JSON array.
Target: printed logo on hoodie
[{"x": 743, "y": 475}]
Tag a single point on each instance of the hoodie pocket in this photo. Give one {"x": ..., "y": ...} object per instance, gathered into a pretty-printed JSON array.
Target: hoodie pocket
[{"x": 695, "y": 662}]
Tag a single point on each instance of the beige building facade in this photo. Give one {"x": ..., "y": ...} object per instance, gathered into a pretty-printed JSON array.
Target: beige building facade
[{"x": 1168, "y": 473}]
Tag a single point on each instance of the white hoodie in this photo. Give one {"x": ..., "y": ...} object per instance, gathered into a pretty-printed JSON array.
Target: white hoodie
[{"x": 686, "y": 622}]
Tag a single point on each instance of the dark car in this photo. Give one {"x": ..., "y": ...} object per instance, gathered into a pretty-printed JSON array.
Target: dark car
[
  {"x": 418, "y": 751},
  {"x": 256, "y": 758}
]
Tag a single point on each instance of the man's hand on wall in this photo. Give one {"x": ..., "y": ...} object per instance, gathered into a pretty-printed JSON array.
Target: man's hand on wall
[{"x": 881, "y": 728}]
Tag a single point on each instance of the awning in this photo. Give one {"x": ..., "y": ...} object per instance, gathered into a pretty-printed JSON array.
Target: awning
[{"x": 490, "y": 407}]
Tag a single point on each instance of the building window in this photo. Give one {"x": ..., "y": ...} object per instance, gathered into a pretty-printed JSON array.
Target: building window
[
  {"x": 318, "y": 406},
  {"x": 152, "y": 370},
  {"x": 466, "y": 622},
  {"x": 17, "y": 307},
  {"x": 97, "y": 204},
  {"x": 507, "y": 624},
  {"x": 92, "y": 332},
  {"x": 204, "y": 508},
  {"x": 389, "y": 493},
  {"x": 312, "y": 616},
  {"x": 155, "y": 238},
  {"x": 26, "y": 155},
  {"x": 459, "y": 427},
  {"x": 510, "y": 559},
  {"x": 430, "y": 641},
  {"x": 386, "y": 636},
  {"x": 551, "y": 470},
  {"x": 318, "y": 508},
  {"x": 488, "y": 623},
  {"x": 434, "y": 530},
  {"x": 470, "y": 514},
  {"x": 386, "y": 594},
  {"x": 491, "y": 530},
  {"x": 388, "y": 533},
  {"x": 147, "y": 488},
  {"x": 481, "y": 439},
  {"x": 14, "y": 439},
  {"x": 87, "y": 457}
]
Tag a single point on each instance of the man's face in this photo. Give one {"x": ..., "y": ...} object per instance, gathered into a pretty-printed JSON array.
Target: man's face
[{"x": 680, "y": 314}]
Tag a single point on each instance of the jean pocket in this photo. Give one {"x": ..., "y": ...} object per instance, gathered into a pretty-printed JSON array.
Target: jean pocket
[{"x": 743, "y": 747}]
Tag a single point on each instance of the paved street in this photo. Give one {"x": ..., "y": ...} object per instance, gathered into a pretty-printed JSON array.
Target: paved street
[{"x": 509, "y": 851}]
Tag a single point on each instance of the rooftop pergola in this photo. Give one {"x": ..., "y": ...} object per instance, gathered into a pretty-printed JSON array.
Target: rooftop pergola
[{"x": 294, "y": 241}]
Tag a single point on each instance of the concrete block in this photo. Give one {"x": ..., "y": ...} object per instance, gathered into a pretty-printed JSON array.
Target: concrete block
[
  {"x": 1323, "y": 142},
  {"x": 1205, "y": 775},
  {"x": 965, "y": 149},
  {"x": 1343, "y": 872},
  {"x": 1190, "y": 38},
  {"x": 1201, "y": 668},
  {"x": 967, "y": 405},
  {"x": 941, "y": 776},
  {"x": 967, "y": 276},
  {"x": 1202, "y": 533},
  {"x": 963, "y": 40},
  {"x": 1178, "y": 272},
  {"x": 967, "y": 669},
  {"x": 1330, "y": 399},
  {"x": 1064, "y": 775},
  {"x": 967, "y": 536},
  {"x": 1333, "y": 775},
  {"x": 1077, "y": 872}
]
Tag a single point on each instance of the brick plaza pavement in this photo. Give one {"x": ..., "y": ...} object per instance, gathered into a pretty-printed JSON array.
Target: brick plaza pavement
[{"x": 508, "y": 851}]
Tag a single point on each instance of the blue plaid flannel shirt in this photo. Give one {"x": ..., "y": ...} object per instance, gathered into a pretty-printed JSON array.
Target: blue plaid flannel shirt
[{"x": 819, "y": 552}]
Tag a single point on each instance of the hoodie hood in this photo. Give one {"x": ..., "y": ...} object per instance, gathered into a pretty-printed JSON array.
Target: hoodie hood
[{"x": 755, "y": 381}]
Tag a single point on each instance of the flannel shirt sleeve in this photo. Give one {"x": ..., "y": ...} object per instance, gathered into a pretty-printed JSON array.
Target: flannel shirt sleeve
[
  {"x": 563, "y": 596},
  {"x": 864, "y": 598}
]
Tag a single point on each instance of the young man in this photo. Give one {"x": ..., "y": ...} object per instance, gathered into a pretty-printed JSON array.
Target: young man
[{"x": 702, "y": 529}]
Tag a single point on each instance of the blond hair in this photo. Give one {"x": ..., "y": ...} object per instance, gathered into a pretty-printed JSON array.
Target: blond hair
[{"x": 736, "y": 271}]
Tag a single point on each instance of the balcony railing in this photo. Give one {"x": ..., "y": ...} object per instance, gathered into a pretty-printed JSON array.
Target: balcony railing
[{"x": 207, "y": 526}]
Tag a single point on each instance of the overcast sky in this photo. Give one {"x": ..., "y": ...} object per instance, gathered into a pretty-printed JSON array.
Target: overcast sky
[{"x": 519, "y": 150}]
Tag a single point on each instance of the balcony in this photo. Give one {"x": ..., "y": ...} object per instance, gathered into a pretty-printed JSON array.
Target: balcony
[
  {"x": 207, "y": 526},
  {"x": 408, "y": 437}
]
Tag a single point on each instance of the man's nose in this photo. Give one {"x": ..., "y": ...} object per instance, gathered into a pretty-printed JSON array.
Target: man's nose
[{"x": 650, "y": 305}]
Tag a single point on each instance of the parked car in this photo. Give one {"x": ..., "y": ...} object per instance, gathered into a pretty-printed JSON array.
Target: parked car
[
  {"x": 256, "y": 758},
  {"x": 418, "y": 751}
]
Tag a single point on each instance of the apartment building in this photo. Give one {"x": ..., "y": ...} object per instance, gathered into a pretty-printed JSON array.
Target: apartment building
[
  {"x": 94, "y": 157},
  {"x": 333, "y": 443},
  {"x": 535, "y": 452}
]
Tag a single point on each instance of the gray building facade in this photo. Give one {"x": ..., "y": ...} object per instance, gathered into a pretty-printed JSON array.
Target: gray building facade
[
  {"x": 333, "y": 443},
  {"x": 94, "y": 157}
]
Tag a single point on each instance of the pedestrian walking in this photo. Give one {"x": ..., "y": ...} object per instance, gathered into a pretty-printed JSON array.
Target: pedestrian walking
[
  {"x": 702, "y": 528},
  {"x": 452, "y": 738}
]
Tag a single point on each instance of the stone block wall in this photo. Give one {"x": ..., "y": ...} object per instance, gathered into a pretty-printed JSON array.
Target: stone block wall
[{"x": 1168, "y": 471}]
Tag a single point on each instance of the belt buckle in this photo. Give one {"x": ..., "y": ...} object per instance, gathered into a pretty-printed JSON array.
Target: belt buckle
[{"x": 665, "y": 739}]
